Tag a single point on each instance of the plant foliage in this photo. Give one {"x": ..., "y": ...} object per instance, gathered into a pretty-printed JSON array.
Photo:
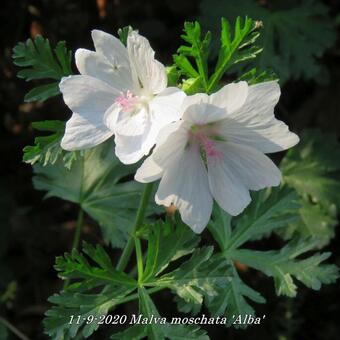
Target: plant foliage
[
  {"x": 169, "y": 255},
  {"x": 236, "y": 45},
  {"x": 313, "y": 169},
  {"x": 294, "y": 36},
  {"x": 269, "y": 211},
  {"x": 81, "y": 298},
  {"x": 100, "y": 193},
  {"x": 40, "y": 61},
  {"x": 47, "y": 149}
]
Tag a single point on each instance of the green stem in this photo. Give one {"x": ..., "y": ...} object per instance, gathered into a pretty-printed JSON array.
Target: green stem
[
  {"x": 139, "y": 256},
  {"x": 215, "y": 78},
  {"x": 13, "y": 329},
  {"x": 124, "y": 259},
  {"x": 76, "y": 237},
  {"x": 202, "y": 71},
  {"x": 79, "y": 227}
]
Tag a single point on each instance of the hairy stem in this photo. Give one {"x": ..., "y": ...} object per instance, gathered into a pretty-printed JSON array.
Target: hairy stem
[
  {"x": 124, "y": 259},
  {"x": 13, "y": 329}
]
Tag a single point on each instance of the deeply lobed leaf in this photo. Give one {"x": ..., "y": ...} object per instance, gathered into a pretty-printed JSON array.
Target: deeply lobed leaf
[
  {"x": 95, "y": 183},
  {"x": 79, "y": 298},
  {"x": 40, "y": 61},
  {"x": 47, "y": 149},
  {"x": 167, "y": 243},
  {"x": 197, "y": 278},
  {"x": 293, "y": 38},
  {"x": 312, "y": 168},
  {"x": 283, "y": 265}
]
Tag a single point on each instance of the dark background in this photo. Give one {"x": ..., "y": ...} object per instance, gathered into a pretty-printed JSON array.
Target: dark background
[{"x": 33, "y": 231}]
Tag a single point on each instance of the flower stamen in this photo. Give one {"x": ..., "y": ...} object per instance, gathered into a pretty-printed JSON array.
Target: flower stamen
[
  {"x": 127, "y": 101},
  {"x": 201, "y": 134}
]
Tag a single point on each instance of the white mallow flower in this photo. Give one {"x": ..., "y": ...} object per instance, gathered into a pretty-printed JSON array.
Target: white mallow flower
[
  {"x": 217, "y": 151},
  {"x": 121, "y": 91}
]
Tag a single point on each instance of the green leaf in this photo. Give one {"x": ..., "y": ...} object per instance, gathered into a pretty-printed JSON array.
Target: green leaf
[
  {"x": 156, "y": 330},
  {"x": 123, "y": 34},
  {"x": 135, "y": 332},
  {"x": 269, "y": 210},
  {"x": 283, "y": 265},
  {"x": 231, "y": 299},
  {"x": 185, "y": 66},
  {"x": 148, "y": 309},
  {"x": 76, "y": 266},
  {"x": 316, "y": 221},
  {"x": 47, "y": 149},
  {"x": 72, "y": 303},
  {"x": 192, "y": 85},
  {"x": 312, "y": 168},
  {"x": 234, "y": 48},
  {"x": 293, "y": 38},
  {"x": 220, "y": 226},
  {"x": 172, "y": 74},
  {"x": 95, "y": 183},
  {"x": 167, "y": 243},
  {"x": 43, "y": 92},
  {"x": 198, "y": 50},
  {"x": 253, "y": 76},
  {"x": 200, "y": 276},
  {"x": 81, "y": 298},
  {"x": 40, "y": 61}
]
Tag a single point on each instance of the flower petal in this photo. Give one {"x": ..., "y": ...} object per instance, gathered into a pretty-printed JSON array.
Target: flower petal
[
  {"x": 166, "y": 106},
  {"x": 132, "y": 124},
  {"x": 129, "y": 148},
  {"x": 96, "y": 65},
  {"x": 204, "y": 114},
  {"x": 137, "y": 134},
  {"x": 254, "y": 169},
  {"x": 164, "y": 109},
  {"x": 87, "y": 96},
  {"x": 226, "y": 187},
  {"x": 149, "y": 74},
  {"x": 82, "y": 134},
  {"x": 185, "y": 184},
  {"x": 149, "y": 171},
  {"x": 198, "y": 110},
  {"x": 266, "y": 136},
  {"x": 111, "y": 116},
  {"x": 254, "y": 124},
  {"x": 171, "y": 145},
  {"x": 167, "y": 130},
  {"x": 231, "y": 96},
  {"x": 198, "y": 98},
  {"x": 111, "y": 48}
]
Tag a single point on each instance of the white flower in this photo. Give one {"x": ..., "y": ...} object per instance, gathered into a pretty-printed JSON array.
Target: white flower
[
  {"x": 122, "y": 91},
  {"x": 217, "y": 151}
]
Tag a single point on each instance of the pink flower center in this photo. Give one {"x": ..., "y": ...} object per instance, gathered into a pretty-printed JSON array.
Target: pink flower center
[
  {"x": 127, "y": 101},
  {"x": 208, "y": 145},
  {"x": 201, "y": 134}
]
